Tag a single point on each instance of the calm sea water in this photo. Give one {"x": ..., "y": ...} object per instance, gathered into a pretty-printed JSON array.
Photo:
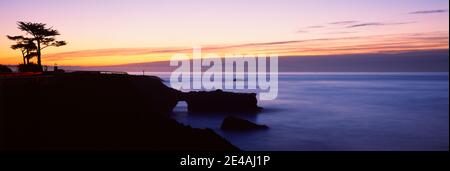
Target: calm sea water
[{"x": 345, "y": 111}]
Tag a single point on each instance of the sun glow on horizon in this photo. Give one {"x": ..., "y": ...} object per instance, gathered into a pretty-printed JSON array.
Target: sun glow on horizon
[{"x": 121, "y": 32}]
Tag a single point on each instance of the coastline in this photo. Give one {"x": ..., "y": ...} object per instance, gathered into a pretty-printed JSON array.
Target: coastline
[{"x": 79, "y": 111}]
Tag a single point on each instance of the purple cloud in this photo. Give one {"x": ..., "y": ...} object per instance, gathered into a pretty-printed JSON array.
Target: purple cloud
[
  {"x": 377, "y": 24},
  {"x": 343, "y": 22},
  {"x": 429, "y": 11},
  {"x": 316, "y": 27}
]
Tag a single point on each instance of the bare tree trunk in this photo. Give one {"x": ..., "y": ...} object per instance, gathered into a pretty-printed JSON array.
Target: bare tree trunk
[
  {"x": 38, "y": 50},
  {"x": 23, "y": 55}
]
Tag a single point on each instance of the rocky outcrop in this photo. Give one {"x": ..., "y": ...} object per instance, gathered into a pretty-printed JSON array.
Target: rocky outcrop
[
  {"x": 73, "y": 111},
  {"x": 232, "y": 123},
  {"x": 220, "y": 101},
  {"x": 5, "y": 69}
]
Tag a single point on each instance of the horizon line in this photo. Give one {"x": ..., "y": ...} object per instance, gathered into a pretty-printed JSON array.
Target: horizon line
[{"x": 439, "y": 50}]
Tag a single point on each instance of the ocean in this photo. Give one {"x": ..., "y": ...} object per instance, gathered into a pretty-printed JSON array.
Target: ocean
[{"x": 344, "y": 112}]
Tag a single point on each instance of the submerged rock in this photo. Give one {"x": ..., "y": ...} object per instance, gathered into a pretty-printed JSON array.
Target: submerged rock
[
  {"x": 232, "y": 123},
  {"x": 220, "y": 101}
]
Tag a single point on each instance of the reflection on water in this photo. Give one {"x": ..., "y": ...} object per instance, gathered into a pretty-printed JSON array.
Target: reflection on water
[{"x": 345, "y": 111}]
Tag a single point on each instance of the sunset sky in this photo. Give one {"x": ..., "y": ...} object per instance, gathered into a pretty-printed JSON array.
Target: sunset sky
[{"x": 110, "y": 32}]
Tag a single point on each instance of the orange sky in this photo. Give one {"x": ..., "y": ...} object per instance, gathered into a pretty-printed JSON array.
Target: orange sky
[{"x": 120, "y": 32}]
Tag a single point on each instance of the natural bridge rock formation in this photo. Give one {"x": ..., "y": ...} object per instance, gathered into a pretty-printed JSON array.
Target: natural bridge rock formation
[
  {"x": 93, "y": 111},
  {"x": 220, "y": 101}
]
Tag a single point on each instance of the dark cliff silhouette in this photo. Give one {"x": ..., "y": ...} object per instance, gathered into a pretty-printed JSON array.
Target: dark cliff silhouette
[
  {"x": 232, "y": 123},
  {"x": 92, "y": 111},
  {"x": 5, "y": 69}
]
